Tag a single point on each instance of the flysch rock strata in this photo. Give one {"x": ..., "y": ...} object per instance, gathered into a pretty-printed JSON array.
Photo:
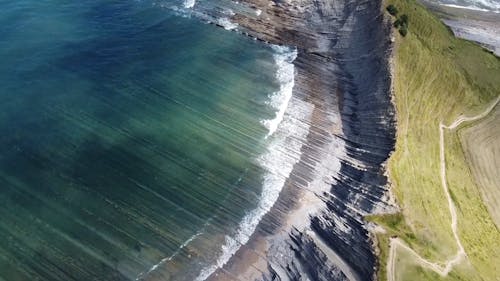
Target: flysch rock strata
[{"x": 316, "y": 230}]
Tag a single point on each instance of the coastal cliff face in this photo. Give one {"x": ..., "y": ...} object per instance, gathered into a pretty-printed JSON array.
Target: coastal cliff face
[{"x": 316, "y": 230}]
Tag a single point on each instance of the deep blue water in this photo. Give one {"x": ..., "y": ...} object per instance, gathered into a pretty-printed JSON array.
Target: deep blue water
[{"x": 128, "y": 135}]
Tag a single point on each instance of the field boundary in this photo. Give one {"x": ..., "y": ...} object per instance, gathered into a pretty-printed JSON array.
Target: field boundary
[{"x": 396, "y": 242}]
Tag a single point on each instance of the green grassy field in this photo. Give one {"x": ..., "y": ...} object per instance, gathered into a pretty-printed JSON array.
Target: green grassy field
[{"x": 437, "y": 78}]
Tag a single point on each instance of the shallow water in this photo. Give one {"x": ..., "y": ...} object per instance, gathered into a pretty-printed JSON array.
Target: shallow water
[{"x": 133, "y": 139}]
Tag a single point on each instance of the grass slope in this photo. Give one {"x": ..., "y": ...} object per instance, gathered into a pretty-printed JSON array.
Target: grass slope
[{"x": 437, "y": 78}]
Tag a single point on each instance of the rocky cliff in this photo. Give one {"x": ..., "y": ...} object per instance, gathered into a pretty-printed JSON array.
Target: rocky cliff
[{"x": 342, "y": 73}]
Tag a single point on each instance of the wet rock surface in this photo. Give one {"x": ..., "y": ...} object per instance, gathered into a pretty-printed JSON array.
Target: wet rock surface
[{"x": 342, "y": 73}]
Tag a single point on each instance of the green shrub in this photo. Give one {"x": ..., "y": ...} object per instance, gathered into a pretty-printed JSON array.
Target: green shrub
[
  {"x": 403, "y": 30},
  {"x": 402, "y": 24},
  {"x": 404, "y": 20},
  {"x": 392, "y": 10},
  {"x": 397, "y": 23}
]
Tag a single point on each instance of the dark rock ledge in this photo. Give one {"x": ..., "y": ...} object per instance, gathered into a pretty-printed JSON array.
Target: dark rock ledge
[{"x": 343, "y": 72}]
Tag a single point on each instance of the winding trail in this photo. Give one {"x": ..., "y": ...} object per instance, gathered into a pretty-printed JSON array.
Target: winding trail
[{"x": 457, "y": 258}]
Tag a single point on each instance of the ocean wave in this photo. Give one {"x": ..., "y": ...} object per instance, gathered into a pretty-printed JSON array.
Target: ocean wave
[
  {"x": 187, "y": 10},
  {"x": 289, "y": 131},
  {"x": 467, "y": 7},
  {"x": 169, "y": 258},
  {"x": 477, "y": 5},
  {"x": 284, "y": 58}
]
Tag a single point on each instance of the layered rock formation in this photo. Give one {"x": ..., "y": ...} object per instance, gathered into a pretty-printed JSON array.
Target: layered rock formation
[{"x": 316, "y": 230}]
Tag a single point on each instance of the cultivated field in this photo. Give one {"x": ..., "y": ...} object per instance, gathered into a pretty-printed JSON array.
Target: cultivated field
[
  {"x": 481, "y": 145},
  {"x": 440, "y": 80}
]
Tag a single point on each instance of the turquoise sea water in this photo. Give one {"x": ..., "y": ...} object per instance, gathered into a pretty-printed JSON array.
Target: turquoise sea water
[{"x": 128, "y": 138}]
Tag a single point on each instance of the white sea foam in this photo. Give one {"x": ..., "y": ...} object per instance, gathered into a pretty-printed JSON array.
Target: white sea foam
[
  {"x": 229, "y": 12},
  {"x": 226, "y": 23},
  {"x": 282, "y": 154},
  {"x": 188, "y": 4},
  {"x": 289, "y": 133},
  {"x": 289, "y": 129},
  {"x": 163, "y": 261},
  {"x": 285, "y": 75},
  {"x": 468, "y": 8},
  {"x": 478, "y": 5},
  {"x": 492, "y": 5}
]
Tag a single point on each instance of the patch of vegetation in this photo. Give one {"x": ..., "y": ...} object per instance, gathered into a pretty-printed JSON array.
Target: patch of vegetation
[
  {"x": 382, "y": 244},
  {"x": 438, "y": 77},
  {"x": 392, "y": 10},
  {"x": 395, "y": 225},
  {"x": 403, "y": 30},
  {"x": 401, "y": 23}
]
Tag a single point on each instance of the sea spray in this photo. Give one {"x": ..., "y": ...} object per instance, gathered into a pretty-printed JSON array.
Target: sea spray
[{"x": 289, "y": 131}]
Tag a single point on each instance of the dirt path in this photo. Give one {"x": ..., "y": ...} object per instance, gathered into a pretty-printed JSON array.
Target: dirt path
[{"x": 457, "y": 258}]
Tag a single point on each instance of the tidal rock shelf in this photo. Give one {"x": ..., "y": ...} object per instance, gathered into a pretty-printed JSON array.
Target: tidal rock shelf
[
  {"x": 316, "y": 229},
  {"x": 479, "y": 26}
]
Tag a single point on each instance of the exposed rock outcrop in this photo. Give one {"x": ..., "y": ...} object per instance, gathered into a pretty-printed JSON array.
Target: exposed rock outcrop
[{"x": 343, "y": 74}]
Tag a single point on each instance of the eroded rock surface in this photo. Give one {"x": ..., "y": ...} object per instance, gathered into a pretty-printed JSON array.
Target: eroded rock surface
[{"x": 316, "y": 230}]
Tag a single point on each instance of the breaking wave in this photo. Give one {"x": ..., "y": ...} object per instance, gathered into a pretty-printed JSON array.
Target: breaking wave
[
  {"x": 226, "y": 23},
  {"x": 289, "y": 131},
  {"x": 478, "y": 5},
  {"x": 284, "y": 58}
]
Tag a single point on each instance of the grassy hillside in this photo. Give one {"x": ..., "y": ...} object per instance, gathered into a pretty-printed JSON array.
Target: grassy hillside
[{"x": 437, "y": 78}]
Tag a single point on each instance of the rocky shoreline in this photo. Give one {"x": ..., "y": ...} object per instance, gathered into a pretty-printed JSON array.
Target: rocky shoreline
[
  {"x": 479, "y": 26},
  {"x": 316, "y": 229}
]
